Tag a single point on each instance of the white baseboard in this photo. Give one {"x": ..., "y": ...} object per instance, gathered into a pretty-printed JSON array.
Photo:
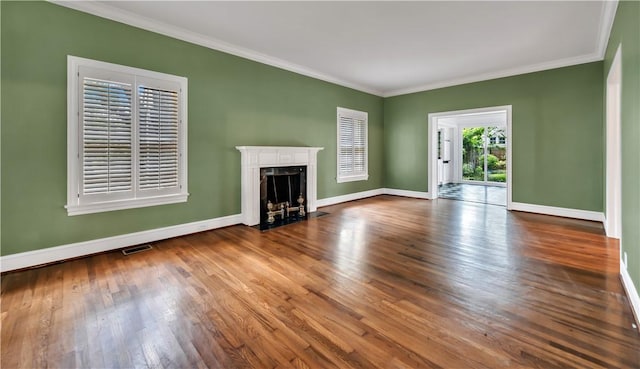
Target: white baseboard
[
  {"x": 74, "y": 250},
  {"x": 559, "y": 212},
  {"x": 407, "y": 193},
  {"x": 632, "y": 292},
  {"x": 53, "y": 254},
  {"x": 349, "y": 197},
  {"x": 364, "y": 194}
]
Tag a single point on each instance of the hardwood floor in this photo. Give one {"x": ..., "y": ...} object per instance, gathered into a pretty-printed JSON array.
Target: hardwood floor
[{"x": 386, "y": 282}]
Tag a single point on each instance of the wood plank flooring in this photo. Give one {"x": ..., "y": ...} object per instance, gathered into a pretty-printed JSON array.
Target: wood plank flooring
[{"x": 386, "y": 282}]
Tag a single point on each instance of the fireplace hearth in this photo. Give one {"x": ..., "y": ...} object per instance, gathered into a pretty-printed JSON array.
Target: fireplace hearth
[{"x": 283, "y": 192}]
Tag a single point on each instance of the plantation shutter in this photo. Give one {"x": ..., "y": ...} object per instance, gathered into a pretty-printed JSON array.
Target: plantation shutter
[
  {"x": 352, "y": 145},
  {"x": 107, "y": 137},
  {"x": 359, "y": 146},
  {"x": 158, "y": 119},
  {"x": 347, "y": 155},
  {"x": 126, "y": 134}
]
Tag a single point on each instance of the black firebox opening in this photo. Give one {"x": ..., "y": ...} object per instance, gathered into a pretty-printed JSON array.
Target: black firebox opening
[{"x": 281, "y": 188}]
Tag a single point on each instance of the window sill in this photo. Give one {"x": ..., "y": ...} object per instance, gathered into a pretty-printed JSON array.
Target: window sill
[
  {"x": 125, "y": 204},
  {"x": 343, "y": 179}
]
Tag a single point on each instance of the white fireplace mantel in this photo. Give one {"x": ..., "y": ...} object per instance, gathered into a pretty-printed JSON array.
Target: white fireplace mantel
[{"x": 255, "y": 157}]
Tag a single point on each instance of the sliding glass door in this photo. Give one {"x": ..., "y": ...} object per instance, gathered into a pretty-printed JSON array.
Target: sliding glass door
[
  {"x": 484, "y": 154},
  {"x": 496, "y": 154}
]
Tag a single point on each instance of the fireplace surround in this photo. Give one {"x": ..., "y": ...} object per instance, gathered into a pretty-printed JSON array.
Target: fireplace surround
[{"x": 257, "y": 158}]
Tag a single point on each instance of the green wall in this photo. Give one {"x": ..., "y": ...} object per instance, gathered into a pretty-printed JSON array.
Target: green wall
[
  {"x": 232, "y": 101},
  {"x": 557, "y": 126},
  {"x": 556, "y": 133},
  {"x": 626, "y": 31}
]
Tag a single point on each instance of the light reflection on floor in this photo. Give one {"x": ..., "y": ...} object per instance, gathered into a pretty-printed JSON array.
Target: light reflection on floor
[
  {"x": 494, "y": 195},
  {"x": 351, "y": 245}
]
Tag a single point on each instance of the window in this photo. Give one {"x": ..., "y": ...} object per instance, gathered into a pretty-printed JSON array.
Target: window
[
  {"x": 498, "y": 140},
  {"x": 126, "y": 134},
  {"x": 352, "y": 145}
]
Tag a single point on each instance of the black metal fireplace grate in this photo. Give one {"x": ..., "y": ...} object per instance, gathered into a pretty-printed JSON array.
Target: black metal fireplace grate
[{"x": 283, "y": 192}]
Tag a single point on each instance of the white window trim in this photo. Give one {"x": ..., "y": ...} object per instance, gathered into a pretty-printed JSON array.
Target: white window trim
[
  {"x": 74, "y": 167},
  {"x": 357, "y": 115}
]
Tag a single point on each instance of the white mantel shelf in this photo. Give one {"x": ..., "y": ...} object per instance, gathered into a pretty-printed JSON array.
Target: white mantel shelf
[{"x": 255, "y": 157}]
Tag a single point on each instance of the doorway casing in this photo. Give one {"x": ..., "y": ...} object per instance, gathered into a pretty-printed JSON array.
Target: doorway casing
[
  {"x": 432, "y": 137},
  {"x": 612, "y": 223}
]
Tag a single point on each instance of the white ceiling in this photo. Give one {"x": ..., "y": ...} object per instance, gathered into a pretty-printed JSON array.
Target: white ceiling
[{"x": 383, "y": 47}]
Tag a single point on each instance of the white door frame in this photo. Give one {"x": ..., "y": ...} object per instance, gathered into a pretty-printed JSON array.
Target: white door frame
[
  {"x": 613, "y": 213},
  {"x": 432, "y": 137}
]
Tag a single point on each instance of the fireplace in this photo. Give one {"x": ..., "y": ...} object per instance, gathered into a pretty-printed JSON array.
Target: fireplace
[
  {"x": 283, "y": 192},
  {"x": 259, "y": 163}
]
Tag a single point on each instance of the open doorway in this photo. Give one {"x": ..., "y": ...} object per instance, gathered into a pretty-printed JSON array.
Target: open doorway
[{"x": 471, "y": 155}]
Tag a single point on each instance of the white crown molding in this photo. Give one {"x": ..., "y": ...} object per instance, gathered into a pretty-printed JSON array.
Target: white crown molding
[
  {"x": 498, "y": 74},
  {"x": 49, "y": 255},
  {"x": 558, "y": 212},
  {"x": 608, "y": 16},
  {"x": 632, "y": 292},
  {"x": 105, "y": 11}
]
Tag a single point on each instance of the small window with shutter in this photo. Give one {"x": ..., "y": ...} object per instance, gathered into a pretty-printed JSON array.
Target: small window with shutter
[
  {"x": 126, "y": 137},
  {"x": 352, "y": 146}
]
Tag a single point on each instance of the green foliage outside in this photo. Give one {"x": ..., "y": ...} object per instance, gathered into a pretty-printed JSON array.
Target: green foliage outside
[
  {"x": 473, "y": 155},
  {"x": 493, "y": 162},
  {"x": 497, "y": 177}
]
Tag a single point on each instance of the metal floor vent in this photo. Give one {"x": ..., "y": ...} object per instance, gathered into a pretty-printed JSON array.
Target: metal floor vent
[{"x": 136, "y": 249}]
